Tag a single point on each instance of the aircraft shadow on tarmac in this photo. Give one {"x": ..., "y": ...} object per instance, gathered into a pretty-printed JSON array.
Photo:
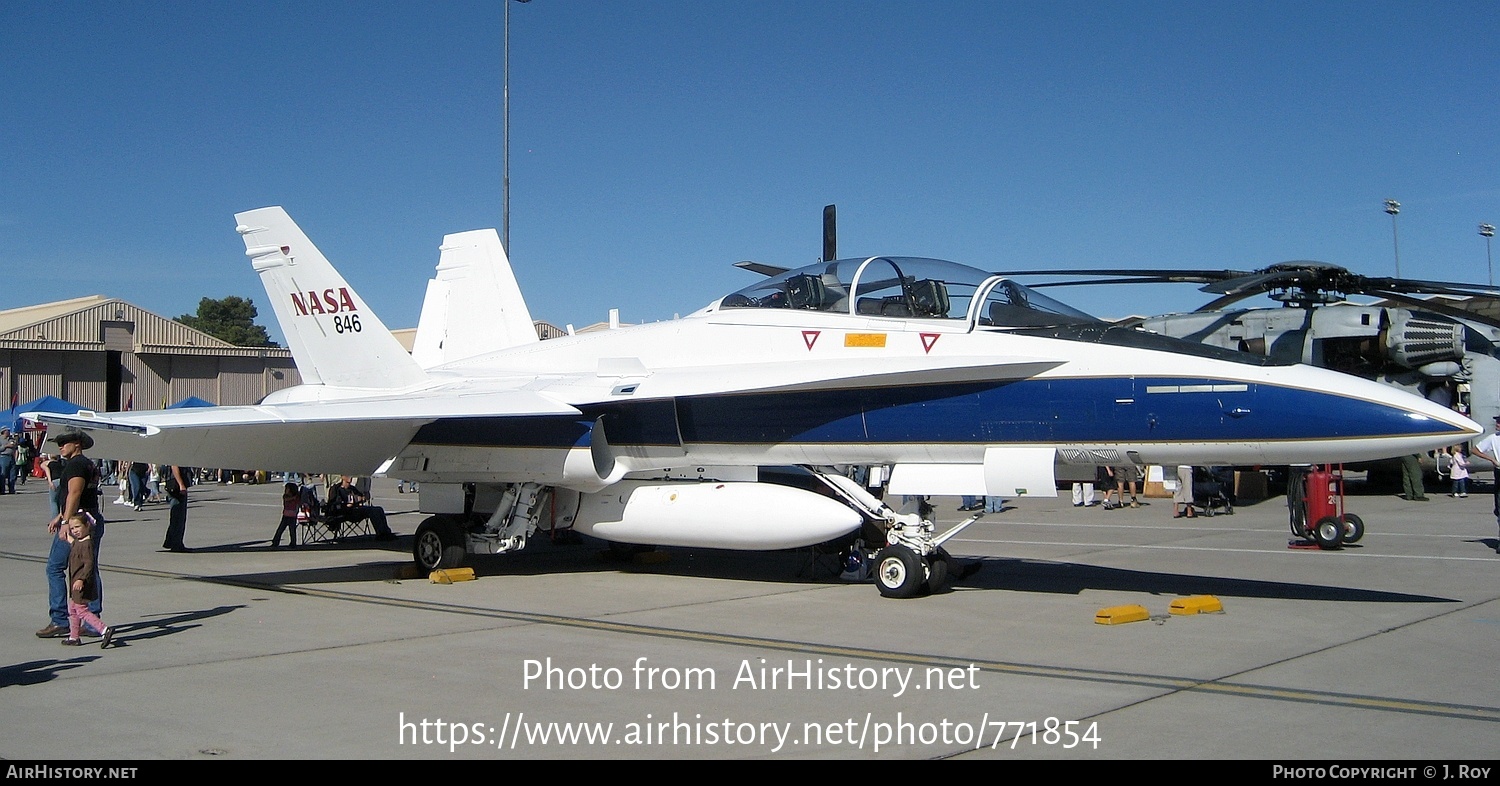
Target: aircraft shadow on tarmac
[
  {"x": 808, "y": 566},
  {"x": 1020, "y": 575},
  {"x": 361, "y": 542}
]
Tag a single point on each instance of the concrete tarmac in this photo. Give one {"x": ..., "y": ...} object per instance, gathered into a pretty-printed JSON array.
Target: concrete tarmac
[{"x": 1385, "y": 650}]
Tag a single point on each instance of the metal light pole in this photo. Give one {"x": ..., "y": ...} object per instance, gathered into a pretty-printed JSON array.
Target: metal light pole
[
  {"x": 1487, "y": 231},
  {"x": 505, "y": 195},
  {"x": 1393, "y": 207}
]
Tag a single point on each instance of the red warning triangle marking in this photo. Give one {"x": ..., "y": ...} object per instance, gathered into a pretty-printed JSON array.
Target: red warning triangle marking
[
  {"x": 928, "y": 339},
  {"x": 810, "y": 337}
]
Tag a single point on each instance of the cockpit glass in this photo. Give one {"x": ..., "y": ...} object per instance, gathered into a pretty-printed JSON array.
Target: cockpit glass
[
  {"x": 920, "y": 288},
  {"x": 900, "y": 287},
  {"x": 1009, "y": 304}
]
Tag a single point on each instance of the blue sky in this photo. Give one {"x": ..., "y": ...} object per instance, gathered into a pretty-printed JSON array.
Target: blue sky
[{"x": 655, "y": 143}]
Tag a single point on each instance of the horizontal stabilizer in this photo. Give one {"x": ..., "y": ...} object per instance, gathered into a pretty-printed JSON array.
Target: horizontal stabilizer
[{"x": 346, "y": 437}]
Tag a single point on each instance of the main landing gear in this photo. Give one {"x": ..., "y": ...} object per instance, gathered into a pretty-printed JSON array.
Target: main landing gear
[
  {"x": 914, "y": 561},
  {"x": 439, "y": 543}
]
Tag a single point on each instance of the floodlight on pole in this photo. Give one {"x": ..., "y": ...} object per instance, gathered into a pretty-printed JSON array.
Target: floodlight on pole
[
  {"x": 505, "y": 142},
  {"x": 1393, "y": 207},
  {"x": 1487, "y": 231}
]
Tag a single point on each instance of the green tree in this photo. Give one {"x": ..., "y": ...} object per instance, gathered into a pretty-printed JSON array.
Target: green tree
[{"x": 230, "y": 319}]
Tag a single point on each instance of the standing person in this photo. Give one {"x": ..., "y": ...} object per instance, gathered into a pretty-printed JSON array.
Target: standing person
[
  {"x": 1128, "y": 478},
  {"x": 122, "y": 481},
  {"x": 291, "y": 500},
  {"x": 1106, "y": 479},
  {"x": 57, "y": 604},
  {"x": 83, "y": 583},
  {"x": 1182, "y": 498},
  {"x": 1083, "y": 495},
  {"x": 77, "y": 492},
  {"x": 177, "y": 514},
  {"x": 1459, "y": 471},
  {"x": 52, "y": 472},
  {"x": 8, "y": 448},
  {"x": 25, "y": 452},
  {"x": 139, "y": 471},
  {"x": 1488, "y": 448},
  {"x": 154, "y": 481},
  {"x": 1411, "y": 478}
]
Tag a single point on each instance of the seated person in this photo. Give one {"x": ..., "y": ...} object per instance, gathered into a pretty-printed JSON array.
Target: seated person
[{"x": 347, "y": 503}]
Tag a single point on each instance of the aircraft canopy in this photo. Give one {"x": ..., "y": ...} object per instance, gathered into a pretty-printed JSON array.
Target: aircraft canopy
[{"x": 907, "y": 287}]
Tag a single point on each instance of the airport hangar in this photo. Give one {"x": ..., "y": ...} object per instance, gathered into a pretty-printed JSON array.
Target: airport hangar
[{"x": 105, "y": 354}]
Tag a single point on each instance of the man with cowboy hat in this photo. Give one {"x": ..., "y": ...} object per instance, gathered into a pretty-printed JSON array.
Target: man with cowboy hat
[{"x": 78, "y": 492}]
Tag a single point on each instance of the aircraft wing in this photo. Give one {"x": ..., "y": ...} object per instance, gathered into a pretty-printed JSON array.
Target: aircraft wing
[
  {"x": 353, "y": 436},
  {"x": 356, "y": 436}
]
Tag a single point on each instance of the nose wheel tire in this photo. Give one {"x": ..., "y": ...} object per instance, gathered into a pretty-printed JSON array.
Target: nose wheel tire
[
  {"x": 899, "y": 572},
  {"x": 439, "y": 543}
]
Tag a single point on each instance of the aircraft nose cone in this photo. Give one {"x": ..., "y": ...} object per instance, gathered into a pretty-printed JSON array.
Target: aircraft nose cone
[
  {"x": 1428, "y": 410},
  {"x": 1363, "y": 420}
]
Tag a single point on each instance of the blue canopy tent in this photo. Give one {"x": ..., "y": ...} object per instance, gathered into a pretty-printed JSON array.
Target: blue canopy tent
[
  {"x": 44, "y": 404},
  {"x": 192, "y": 401}
]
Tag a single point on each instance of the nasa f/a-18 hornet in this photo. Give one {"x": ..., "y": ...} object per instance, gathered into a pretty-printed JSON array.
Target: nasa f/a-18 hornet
[{"x": 670, "y": 433}]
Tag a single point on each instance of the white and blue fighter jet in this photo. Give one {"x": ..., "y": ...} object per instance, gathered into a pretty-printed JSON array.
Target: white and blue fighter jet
[{"x": 958, "y": 380}]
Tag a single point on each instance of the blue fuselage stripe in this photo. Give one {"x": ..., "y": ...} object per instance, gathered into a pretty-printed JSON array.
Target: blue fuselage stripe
[
  {"x": 1080, "y": 410},
  {"x": 1046, "y": 411}
]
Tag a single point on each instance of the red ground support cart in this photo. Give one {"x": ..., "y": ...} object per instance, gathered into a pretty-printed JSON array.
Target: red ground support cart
[{"x": 1315, "y": 499}]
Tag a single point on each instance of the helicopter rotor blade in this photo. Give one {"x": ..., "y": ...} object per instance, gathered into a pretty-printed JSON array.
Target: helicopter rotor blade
[
  {"x": 1094, "y": 281},
  {"x": 1230, "y": 299},
  {"x": 1414, "y": 286},
  {"x": 761, "y": 268},
  {"x": 1254, "y": 283},
  {"x": 1436, "y": 306}
]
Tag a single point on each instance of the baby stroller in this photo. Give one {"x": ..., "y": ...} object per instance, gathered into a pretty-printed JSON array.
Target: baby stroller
[{"x": 1213, "y": 490}]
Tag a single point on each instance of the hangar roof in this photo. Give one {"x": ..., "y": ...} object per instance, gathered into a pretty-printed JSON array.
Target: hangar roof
[{"x": 97, "y": 322}]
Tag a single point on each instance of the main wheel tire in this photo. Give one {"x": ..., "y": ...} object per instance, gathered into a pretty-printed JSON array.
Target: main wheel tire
[
  {"x": 937, "y": 571},
  {"x": 439, "y": 543},
  {"x": 1354, "y": 528},
  {"x": 1328, "y": 533},
  {"x": 899, "y": 572}
]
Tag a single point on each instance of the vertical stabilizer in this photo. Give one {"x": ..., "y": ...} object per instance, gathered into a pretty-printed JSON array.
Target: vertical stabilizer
[
  {"x": 473, "y": 304},
  {"x": 334, "y": 337}
]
